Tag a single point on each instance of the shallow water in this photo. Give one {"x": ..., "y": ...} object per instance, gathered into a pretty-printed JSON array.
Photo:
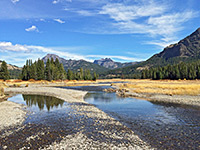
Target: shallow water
[
  {"x": 49, "y": 119},
  {"x": 163, "y": 126},
  {"x": 87, "y": 88}
]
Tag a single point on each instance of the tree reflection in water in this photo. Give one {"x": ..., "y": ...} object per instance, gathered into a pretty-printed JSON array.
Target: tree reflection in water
[{"x": 42, "y": 101}]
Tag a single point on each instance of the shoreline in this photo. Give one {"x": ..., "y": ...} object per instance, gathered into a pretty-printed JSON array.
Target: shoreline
[
  {"x": 82, "y": 108},
  {"x": 12, "y": 114},
  {"x": 189, "y": 100}
]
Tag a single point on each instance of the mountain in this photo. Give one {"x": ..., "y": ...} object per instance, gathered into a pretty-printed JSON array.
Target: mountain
[
  {"x": 188, "y": 47},
  {"x": 11, "y": 67},
  {"x": 13, "y": 70},
  {"x": 186, "y": 50},
  {"x": 49, "y": 56},
  {"x": 75, "y": 65},
  {"x": 110, "y": 64}
]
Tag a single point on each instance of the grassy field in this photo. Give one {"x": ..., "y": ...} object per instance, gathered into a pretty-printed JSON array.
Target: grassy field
[{"x": 168, "y": 87}]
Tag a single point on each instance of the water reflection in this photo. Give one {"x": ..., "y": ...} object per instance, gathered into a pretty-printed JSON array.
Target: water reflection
[
  {"x": 42, "y": 101},
  {"x": 99, "y": 97},
  {"x": 87, "y": 88},
  {"x": 163, "y": 126}
]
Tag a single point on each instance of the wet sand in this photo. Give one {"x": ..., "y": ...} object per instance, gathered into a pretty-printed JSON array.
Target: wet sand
[{"x": 96, "y": 129}]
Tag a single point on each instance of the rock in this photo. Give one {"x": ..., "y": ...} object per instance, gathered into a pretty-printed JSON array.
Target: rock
[{"x": 110, "y": 90}]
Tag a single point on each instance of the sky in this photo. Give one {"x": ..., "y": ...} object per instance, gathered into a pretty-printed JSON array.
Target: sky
[{"x": 123, "y": 30}]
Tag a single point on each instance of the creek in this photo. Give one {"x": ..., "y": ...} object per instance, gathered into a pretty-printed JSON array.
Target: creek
[{"x": 163, "y": 126}]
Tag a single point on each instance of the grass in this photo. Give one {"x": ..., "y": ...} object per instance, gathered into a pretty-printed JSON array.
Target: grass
[
  {"x": 168, "y": 87},
  {"x": 1, "y": 89}
]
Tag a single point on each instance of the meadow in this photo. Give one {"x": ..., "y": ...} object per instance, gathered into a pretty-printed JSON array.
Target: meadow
[
  {"x": 146, "y": 86},
  {"x": 167, "y": 87}
]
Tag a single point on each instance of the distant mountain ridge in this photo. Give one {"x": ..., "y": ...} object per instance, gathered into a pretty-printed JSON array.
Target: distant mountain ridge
[
  {"x": 109, "y": 63},
  {"x": 98, "y": 66},
  {"x": 75, "y": 65}
]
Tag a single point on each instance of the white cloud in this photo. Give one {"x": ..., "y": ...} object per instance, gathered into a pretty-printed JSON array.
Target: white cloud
[
  {"x": 59, "y": 21},
  {"x": 32, "y": 28},
  {"x": 148, "y": 17},
  {"x": 85, "y": 13},
  {"x": 34, "y": 52},
  {"x": 66, "y": 55},
  {"x": 56, "y": 1},
  {"x": 8, "y": 46},
  {"x": 43, "y": 20},
  {"x": 161, "y": 44},
  {"x": 14, "y": 1},
  {"x": 121, "y": 12}
]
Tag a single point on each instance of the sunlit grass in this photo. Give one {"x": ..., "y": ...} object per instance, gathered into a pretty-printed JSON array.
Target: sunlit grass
[{"x": 168, "y": 87}]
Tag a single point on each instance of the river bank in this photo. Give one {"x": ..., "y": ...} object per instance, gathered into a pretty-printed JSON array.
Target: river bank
[
  {"x": 104, "y": 131},
  {"x": 12, "y": 114},
  {"x": 175, "y": 92}
]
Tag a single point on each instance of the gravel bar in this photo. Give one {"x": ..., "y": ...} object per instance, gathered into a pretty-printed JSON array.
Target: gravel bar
[
  {"x": 11, "y": 114},
  {"x": 97, "y": 130}
]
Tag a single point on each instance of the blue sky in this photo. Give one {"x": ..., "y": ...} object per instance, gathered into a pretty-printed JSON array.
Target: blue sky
[{"x": 124, "y": 30}]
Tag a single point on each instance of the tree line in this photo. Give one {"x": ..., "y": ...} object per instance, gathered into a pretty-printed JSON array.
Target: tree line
[
  {"x": 182, "y": 70},
  {"x": 82, "y": 75},
  {"x": 53, "y": 70},
  {"x": 4, "y": 73}
]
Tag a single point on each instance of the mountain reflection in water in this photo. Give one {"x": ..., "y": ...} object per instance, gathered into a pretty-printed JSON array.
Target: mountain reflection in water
[{"x": 42, "y": 101}]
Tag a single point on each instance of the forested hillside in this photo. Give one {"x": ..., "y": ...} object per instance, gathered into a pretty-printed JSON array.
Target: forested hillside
[
  {"x": 177, "y": 71},
  {"x": 186, "y": 50},
  {"x": 53, "y": 70}
]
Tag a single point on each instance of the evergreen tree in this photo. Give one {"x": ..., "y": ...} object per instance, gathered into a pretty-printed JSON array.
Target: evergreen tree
[
  {"x": 94, "y": 76},
  {"x": 40, "y": 69},
  {"x": 33, "y": 70},
  {"x": 52, "y": 71},
  {"x": 48, "y": 74},
  {"x": 198, "y": 72},
  {"x": 178, "y": 71},
  {"x": 24, "y": 73},
  {"x": 56, "y": 69},
  {"x": 70, "y": 75},
  {"x": 87, "y": 75},
  {"x": 62, "y": 72},
  {"x": 4, "y": 73},
  {"x": 81, "y": 74},
  {"x": 191, "y": 72}
]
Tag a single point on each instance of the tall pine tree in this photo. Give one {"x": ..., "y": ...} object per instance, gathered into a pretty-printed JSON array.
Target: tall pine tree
[{"x": 4, "y": 73}]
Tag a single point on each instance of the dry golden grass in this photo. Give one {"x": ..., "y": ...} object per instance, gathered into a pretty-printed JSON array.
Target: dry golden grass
[
  {"x": 2, "y": 86},
  {"x": 19, "y": 83},
  {"x": 168, "y": 87}
]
